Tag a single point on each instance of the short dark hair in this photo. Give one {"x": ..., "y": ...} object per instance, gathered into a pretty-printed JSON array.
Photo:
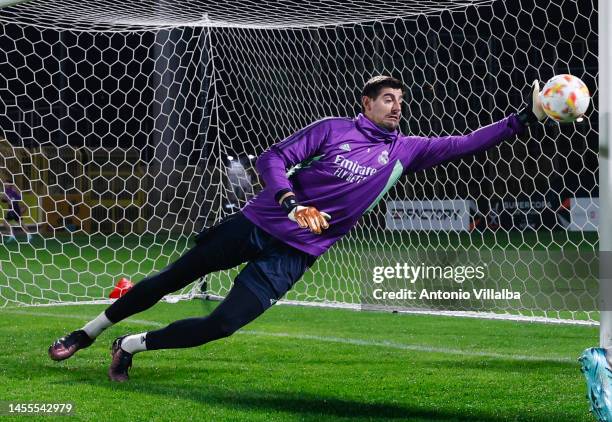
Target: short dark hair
[{"x": 375, "y": 84}]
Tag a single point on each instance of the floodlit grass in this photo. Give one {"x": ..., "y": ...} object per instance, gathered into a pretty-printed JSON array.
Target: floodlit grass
[
  {"x": 77, "y": 267},
  {"x": 292, "y": 363},
  {"x": 306, "y": 364}
]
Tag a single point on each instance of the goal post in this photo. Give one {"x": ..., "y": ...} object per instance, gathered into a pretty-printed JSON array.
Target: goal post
[
  {"x": 605, "y": 172},
  {"x": 134, "y": 124}
]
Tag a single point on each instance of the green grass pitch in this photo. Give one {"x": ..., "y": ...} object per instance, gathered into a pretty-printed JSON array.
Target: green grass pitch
[
  {"x": 293, "y": 363},
  {"x": 306, "y": 364}
]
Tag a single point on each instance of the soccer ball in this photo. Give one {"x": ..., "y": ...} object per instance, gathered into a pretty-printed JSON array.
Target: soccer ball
[{"x": 565, "y": 98}]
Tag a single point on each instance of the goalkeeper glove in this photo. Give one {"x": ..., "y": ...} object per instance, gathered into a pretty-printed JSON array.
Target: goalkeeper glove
[
  {"x": 533, "y": 111},
  {"x": 306, "y": 217}
]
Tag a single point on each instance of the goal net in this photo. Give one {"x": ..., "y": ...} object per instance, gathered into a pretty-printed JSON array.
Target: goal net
[{"x": 128, "y": 126}]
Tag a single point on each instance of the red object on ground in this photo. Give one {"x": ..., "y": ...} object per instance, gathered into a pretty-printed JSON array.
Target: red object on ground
[{"x": 121, "y": 288}]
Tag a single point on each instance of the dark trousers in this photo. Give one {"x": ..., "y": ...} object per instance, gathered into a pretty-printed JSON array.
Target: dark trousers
[{"x": 273, "y": 268}]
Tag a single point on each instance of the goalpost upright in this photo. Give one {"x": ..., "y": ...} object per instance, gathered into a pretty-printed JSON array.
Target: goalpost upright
[{"x": 605, "y": 173}]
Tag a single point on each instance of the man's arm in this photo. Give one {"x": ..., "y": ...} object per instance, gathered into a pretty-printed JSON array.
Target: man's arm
[
  {"x": 272, "y": 166},
  {"x": 433, "y": 151}
]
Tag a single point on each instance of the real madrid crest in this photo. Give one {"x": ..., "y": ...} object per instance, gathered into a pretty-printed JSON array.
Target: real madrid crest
[{"x": 383, "y": 158}]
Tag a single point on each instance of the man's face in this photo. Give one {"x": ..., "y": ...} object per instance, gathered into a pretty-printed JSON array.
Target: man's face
[{"x": 386, "y": 109}]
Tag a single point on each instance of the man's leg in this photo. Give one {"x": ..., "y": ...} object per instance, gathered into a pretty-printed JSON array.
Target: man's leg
[
  {"x": 221, "y": 247},
  {"x": 263, "y": 281},
  {"x": 238, "y": 308}
]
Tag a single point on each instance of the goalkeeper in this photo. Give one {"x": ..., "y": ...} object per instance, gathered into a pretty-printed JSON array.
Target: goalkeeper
[{"x": 341, "y": 169}]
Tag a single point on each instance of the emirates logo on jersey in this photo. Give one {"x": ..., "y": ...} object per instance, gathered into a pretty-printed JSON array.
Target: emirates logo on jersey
[
  {"x": 350, "y": 170},
  {"x": 383, "y": 158}
]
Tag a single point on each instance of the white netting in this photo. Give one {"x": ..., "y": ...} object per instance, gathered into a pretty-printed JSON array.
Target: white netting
[
  {"x": 130, "y": 125},
  {"x": 155, "y": 14}
]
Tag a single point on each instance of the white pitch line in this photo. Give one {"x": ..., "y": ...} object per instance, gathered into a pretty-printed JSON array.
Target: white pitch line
[
  {"x": 337, "y": 340},
  {"x": 413, "y": 347},
  {"x": 82, "y": 317}
]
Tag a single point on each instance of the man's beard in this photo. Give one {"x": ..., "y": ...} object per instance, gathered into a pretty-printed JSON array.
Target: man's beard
[{"x": 389, "y": 126}]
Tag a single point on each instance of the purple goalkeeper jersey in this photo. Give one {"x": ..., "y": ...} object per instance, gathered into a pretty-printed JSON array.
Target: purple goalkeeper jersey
[{"x": 345, "y": 166}]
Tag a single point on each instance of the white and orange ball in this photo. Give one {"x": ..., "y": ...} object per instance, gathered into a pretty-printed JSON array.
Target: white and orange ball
[{"x": 565, "y": 98}]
